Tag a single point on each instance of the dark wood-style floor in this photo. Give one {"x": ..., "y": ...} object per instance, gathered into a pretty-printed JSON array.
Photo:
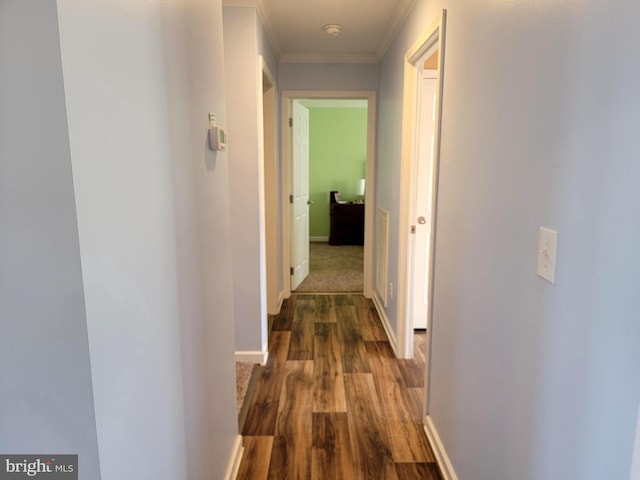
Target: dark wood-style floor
[{"x": 333, "y": 402}]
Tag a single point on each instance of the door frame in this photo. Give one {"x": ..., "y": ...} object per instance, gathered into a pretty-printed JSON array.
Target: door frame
[
  {"x": 268, "y": 171},
  {"x": 287, "y": 96},
  {"x": 433, "y": 35}
]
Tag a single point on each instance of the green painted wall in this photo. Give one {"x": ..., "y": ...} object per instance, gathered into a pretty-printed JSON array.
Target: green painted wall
[{"x": 337, "y": 159}]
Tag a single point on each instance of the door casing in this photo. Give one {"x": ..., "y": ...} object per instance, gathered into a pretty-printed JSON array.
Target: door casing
[
  {"x": 287, "y": 96},
  {"x": 434, "y": 35}
]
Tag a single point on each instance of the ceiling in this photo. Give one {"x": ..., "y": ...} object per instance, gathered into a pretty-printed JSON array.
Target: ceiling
[{"x": 295, "y": 28}]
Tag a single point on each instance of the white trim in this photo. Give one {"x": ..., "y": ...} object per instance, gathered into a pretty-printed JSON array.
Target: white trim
[
  {"x": 635, "y": 459},
  {"x": 262, "y": 70},
  {"x": 235, "y": 459},
  {"x": 319, "y": 239},
  {"x": 268, "y": 173},
  {"x": 377, "y": 302},
  {"x": 402, "y": 13},
  {"x": 265, "y": 19},
  {"x": 249, "y": 356},
  {"x": 326, "y": 58},
  {"x": 444, "y": 463},
  {"x": 285, "y": 112},
  {"x": 435, "y": 34}
]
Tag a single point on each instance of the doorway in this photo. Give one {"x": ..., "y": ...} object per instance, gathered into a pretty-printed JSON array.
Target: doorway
[
  {"x": 337, "y": 159},
  {"x": 422, "y": 112},
  {"x": 270, "y": 187},
  {"x": 290, "y": 178}
]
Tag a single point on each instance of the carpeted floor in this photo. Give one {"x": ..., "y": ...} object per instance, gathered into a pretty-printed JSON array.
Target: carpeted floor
[
  {"x": 243, "y": 377},
  {"x": 333, "y": 269}
]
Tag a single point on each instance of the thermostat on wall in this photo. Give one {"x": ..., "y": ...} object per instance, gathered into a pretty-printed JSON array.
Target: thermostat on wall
[{"x": 217, "y": 138}]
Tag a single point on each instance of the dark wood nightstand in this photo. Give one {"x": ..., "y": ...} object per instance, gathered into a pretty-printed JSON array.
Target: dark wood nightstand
[{"x": 347, "y": 224}]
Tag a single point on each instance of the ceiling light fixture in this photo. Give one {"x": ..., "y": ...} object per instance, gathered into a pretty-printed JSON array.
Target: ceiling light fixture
[{"x": 333, "y": 29}]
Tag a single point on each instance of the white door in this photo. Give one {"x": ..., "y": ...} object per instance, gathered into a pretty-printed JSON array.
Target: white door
[
  {"x": 422, "y": 198},
  {"x": 300, "y": 196}
]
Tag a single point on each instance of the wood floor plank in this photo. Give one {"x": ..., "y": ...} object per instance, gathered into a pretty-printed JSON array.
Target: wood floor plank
[
  {"x": 291, "y": 457},
  {"x": 325, "y": 311},
  {"x": 328, "y": 392},
  {"x": 412, "y": 371},
  {"x": 343, "y": 300},
  {"x": 420, "y": 340},
  {"x": 417, "y": 471},
  {"x": 389, "y": 382},
  {"x": 379, "y": 350},
  {"x": 256, "y": 458},
  {"x": 278, "y": 347},
  {"x": 407, "y": 438},
  {"x": 331, "y": 456},
  {"x": 282, "y": 321},
  {"x": 416, "y": 403},
  {"x": 354, "y": 354},
  {"x": 372, "y": 454},
  {"x": 317, "y": 365},
  {"x": 302, "y": 330},
  {"x": 408, "y": 442},
  {"x": 369, "y": 320},
  {"x": 280, "y": 459},
  {"x": 263, "y": 408},
  {"x": 262, "y": 413}
]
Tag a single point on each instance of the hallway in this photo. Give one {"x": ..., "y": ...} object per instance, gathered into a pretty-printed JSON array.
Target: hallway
[{"x": 332, "y": 401}]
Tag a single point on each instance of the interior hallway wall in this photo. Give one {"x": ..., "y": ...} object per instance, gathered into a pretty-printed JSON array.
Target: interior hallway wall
[
  {"x": 334, "y": 76},
  {"x": 153, "y": 219},
  {"x": 531, "y": 380},
  {"x": 46, "y": 397},
  {"x": 244, "y": 41}
]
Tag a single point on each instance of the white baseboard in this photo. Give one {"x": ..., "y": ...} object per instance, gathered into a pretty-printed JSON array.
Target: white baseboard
[
  {"x": 319, "y": 239},
  {"x": 253, "y": 357},
  {"x": 446, "y": 468},
  {"x": 234, "y": 461},
  {"x": 385, "y": 323},
  {"x": 635, "y": 459}
]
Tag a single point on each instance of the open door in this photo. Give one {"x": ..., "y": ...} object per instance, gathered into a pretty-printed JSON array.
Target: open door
[
  {"x": 422, "y": 204},
  {"x": 300, "y": 195}
]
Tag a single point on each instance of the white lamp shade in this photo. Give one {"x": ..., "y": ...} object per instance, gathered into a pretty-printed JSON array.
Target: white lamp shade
[{"x": 360, "y": 187}]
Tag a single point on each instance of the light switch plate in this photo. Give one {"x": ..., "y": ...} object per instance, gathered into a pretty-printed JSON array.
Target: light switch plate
[{"x": 547, "y": 244}]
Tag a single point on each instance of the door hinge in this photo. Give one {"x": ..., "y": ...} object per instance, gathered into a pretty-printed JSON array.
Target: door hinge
[
  {"x": 413, "y": 229},
  {"x": 291, "y": 270},
  {"x": 291, "y": 199},
  {"x": 291, "y": 121}
]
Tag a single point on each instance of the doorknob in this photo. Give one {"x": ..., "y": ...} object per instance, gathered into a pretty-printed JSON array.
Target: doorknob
[
  {"x": 422, "y": 220},
  {"x": 309, "y": 202}
]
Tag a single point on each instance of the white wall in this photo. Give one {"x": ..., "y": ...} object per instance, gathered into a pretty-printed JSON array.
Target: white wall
[
  {"x": 46, "y": 398},
  {"x": 333, "y": 76},
  {"x": 152, "y": 201},
  {"x": 532, "y": 380},
  {"x": 244, "y": 41}
]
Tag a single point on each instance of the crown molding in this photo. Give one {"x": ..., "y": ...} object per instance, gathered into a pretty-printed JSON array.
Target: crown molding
[
  {"x": 263, "y": 15},
  {"x": 326, "y": 58},
  {"x": 402, "y": 13}
]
